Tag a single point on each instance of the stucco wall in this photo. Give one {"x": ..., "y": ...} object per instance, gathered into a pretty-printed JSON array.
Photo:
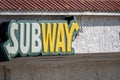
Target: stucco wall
[{"x": 98, "y": 34}]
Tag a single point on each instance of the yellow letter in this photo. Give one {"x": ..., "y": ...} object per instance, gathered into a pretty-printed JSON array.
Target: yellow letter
[
  {"x": 69, "y": 33},
  {"x": 60, "y": 42},
  {"x": 48, "y": 36}
]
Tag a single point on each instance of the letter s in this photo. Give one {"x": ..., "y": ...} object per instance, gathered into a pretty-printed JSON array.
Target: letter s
[{"x": 12, "y": 47}]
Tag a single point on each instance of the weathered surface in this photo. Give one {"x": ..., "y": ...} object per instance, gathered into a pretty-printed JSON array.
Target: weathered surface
[
  {"x": 91, "y": 70},
  {"x": 98, "y": 34},
  {"x": 1, "y": 72}
]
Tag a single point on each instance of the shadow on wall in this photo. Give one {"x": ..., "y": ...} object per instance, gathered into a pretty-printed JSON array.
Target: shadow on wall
[
  {"x": 94, "y": 21},
  {"x": 3, "y": 38}
]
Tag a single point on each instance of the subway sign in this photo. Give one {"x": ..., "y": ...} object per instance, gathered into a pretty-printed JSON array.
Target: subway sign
[{"x": 39, "y": 37}]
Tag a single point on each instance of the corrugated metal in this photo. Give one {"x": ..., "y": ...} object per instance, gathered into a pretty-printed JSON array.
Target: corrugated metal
[{"x": 60, "y": 5}]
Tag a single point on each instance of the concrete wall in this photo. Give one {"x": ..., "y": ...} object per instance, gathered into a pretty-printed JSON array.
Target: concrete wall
[{"x": 91, "y": 70}]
